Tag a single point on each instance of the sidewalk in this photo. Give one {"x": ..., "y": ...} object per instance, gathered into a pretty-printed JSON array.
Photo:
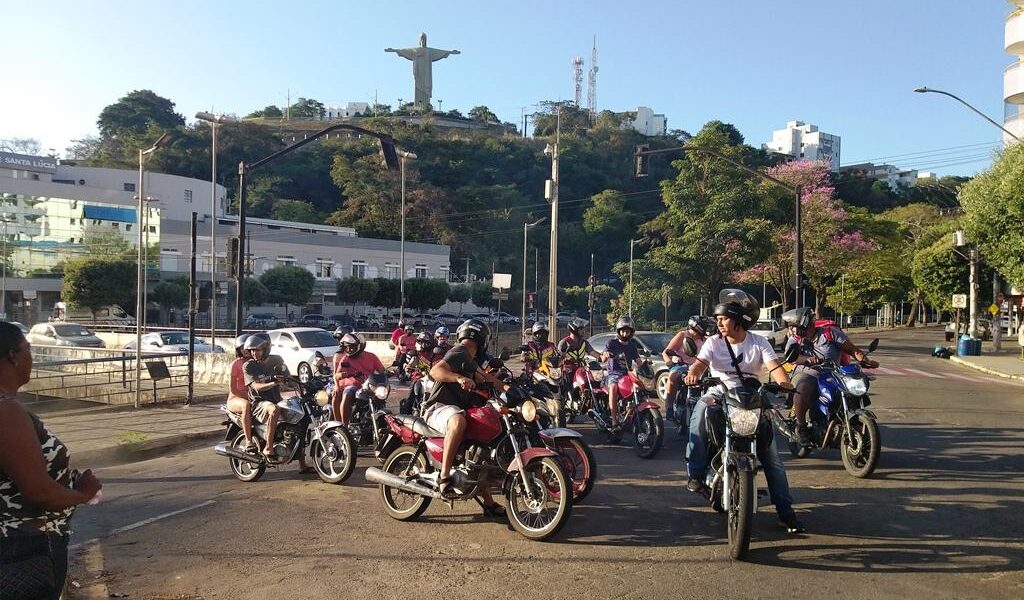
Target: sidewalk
[
  {"x": 1005, "y": 363},
  {"x": 99, "y": 435}
]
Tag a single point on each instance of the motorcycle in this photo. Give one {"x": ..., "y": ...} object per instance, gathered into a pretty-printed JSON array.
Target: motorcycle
[
  {"x": 636, "y": 411},
  {"x": 366, "y": 423},
  {"x": 546, "y": 384},
  {"x": 303, "y": 423},
  {"x": 537, "y": 490},
  {"x": 419, "y": 389},
  {"x": 839, "y": 419},
  {"x": 585, "y": 393}
]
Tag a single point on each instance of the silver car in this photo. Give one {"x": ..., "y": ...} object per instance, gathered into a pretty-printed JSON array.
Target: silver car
[{"x": 64, "y": 334}]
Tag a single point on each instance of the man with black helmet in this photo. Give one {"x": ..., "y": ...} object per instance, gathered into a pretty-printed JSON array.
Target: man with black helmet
[
  {"x": 619, "y": 353},
  {"x": 456, "y": 376},
  {"x": 575, "y": 347},
  {"x": 698, "y": 328},
  {"x": 736, "y": 349},
  {"x": 817, "y": 342},
  {"x": 351, "y": 368},
  {"x": 263, "y": 372}
]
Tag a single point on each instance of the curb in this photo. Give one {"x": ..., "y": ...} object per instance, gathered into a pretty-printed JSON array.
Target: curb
[
  {"x": 970, "y": 365},
  {"x": 129, "y": 453}
]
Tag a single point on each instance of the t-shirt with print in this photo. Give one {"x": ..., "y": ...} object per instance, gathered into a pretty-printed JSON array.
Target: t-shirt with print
[
  {"x": 820, "y": 346},
  {"x": 622, "y": 354},
  {"x": 261, "y": 372},
  {"x": 756, "y": 350},
  {"x": 575, "y": 351},
  {"x": 459, "y": 361},
  {"x": 354, "y": 370}
]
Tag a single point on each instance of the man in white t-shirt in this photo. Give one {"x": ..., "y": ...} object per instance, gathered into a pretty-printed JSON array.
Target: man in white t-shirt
[{"x": 735, "y": 313}]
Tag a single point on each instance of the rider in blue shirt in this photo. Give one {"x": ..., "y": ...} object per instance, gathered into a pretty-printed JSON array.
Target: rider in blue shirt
[{"x": 619, "y": 353}]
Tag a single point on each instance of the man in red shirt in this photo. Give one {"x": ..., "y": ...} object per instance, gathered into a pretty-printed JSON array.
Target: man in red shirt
[{"x": 351, "y": 368}]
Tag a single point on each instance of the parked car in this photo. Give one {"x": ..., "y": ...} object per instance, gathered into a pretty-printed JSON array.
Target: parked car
[
  {"x": 298, "y": 346},
  {"x": 262, "y": 321},
  {"x": 564, "y": 318},
  {"x": 650, "y": 341},
  {"x": 984, "y": 329},
  {"x": 63, "y": 334},
  {"x": 369, "y": 323},
  {"x": 23, "y": 329},
  {"x": 773, "y": 331},
  {"x": 172, "y": 341},
  {"x": 316, "y": 320},
  {"x": 449, "y": 319},
  {"x": 504, "y": 318}
]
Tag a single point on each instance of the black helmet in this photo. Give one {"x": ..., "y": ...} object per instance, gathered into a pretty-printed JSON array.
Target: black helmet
[
  {"x": 352, "y": 344},
  {"x": 701, "y": 325},
  {"x": 258, "y": 341},
  {"x": 240, "y": 346},
  {"x": 476, "y": 330},
  {"x": 539, "y": 332},
  {"x": 801, "y": 318},
  {"x": 342, "y": 330},
  {"x": 575, "y": 327},
  {"x": 625, "y": 322},
  {"x": 739, "y": 306},
  {"x": 425, "y": 342}
]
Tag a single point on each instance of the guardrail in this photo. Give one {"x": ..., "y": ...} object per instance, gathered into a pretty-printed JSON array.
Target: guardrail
[{"x": 108, "y": 376}]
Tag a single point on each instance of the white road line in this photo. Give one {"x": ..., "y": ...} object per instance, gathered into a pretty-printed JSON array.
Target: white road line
[
  {"x": 922, "y": 373},
  {"x": 143, "y": 523},
  {"x": 967, "y": 378}
]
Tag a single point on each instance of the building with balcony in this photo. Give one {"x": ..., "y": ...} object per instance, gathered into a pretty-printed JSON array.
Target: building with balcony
[
  {"x": 649, "y": 122},
  {"x": 1013, "y": 75},
  {"x": 894, "y": 176},
  {"x": 800, "y": 140}
]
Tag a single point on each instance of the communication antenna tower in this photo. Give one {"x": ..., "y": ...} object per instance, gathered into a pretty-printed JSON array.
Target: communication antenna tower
[
  {"x": 577, "y": 77},
  {"x": 592, "y": 82}
]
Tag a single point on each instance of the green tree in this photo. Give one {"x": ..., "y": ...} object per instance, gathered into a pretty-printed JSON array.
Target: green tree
[
  {"x": 288, "y": 284},
  {"x": 481, "y": 292},
  {"x": 254, "y": 293},
  {"x": 426, "y": 293},
  {"x": 298, "y": 211},
  {"x": 105, "y": 243},
  {"x": 269, "y": 112},
  {"x": 388, "y": 294},
  {"x": 308, "y": 109},
  {"x": 356, "y": 290},
  {"x": 994, "y": 214},
  {"x": 172, "y": 293},
  {"x": 610, "y": 216},
  {"x": 461, "y": 294},
  {"x": 482, "y": 114},
  {"x": 136, "y": 113},
  {"x": 93, "y": 283}
]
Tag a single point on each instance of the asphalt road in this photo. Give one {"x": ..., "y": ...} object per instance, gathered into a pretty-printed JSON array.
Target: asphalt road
[{"x": 940, "y": 518}]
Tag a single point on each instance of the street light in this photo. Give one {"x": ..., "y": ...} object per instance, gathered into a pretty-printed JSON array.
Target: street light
[
  {"x": 214, "y": 121},
  {"x": 162, "y": 141},
  {"x": 403, "y": 156},
  {"x": 631, "y": 242},
  {"x": 551, "y": 193},
  {"x": 527, "y": 226},
  {"x": 925, "y": 90}
]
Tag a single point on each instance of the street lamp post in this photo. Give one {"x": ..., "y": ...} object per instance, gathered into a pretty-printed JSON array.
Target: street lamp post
[
  {"x": 960, "y": 241},
  {"x": 527, "y": 226},
  {"x": 403, "y": 156},
  {"x": 214, "y": 121},
  {"x": 139, "y": 298},
  {"x": 926, "y": 90},
  {"x": 552, "y": 194}
]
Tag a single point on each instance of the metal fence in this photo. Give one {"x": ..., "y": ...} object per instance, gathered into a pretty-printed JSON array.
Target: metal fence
[{"x": 107, "y": 376}]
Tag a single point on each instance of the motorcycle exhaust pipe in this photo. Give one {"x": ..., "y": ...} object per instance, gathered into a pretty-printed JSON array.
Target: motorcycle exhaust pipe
[
  {"x": 375, "y": 475},
  {"x": 225, "y": 450},
  {"x": 597, "y": 418}
]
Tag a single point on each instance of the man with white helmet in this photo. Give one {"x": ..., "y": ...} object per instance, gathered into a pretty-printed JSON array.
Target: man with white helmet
[{"x": 619, "y": 353}]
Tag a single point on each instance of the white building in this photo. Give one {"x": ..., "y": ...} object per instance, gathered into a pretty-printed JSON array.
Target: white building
[
  {"x": 350, "y": 109},
  {"x": 1013, "y": 75},
  {"x": 648, "y": 122},
  {"x": 50, "y": 210},
  {"x": 892, "y": 175},
  {"x": 801, "y": 140}
]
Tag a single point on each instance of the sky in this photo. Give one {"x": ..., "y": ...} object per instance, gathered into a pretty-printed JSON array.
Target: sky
[{"x": 848, "y": 67}]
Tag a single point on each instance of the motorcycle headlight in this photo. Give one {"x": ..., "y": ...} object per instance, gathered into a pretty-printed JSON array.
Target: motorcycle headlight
[
  {"x": 528, "y": 410},
  {"x": 556, "y": 373},
  {"x": 744, "y": 422},
  {"x": 856, "y": 386},
  {"x": 382, "y": 392},
  {"x": 322, "y": 398}
]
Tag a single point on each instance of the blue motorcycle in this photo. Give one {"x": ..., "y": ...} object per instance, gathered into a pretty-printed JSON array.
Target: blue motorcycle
[{"x": 839, "y": 419}]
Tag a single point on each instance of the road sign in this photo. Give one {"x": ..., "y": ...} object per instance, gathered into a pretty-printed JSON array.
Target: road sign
[
  {"x": 1000, "y": 298},
  {"x": 993, "y": 309},
  {"x": 499, "y": 296},
  {"x": 666, "y": 300},
  {"x": 501, "y": 281},
  {"x": 959, "y": 300}
]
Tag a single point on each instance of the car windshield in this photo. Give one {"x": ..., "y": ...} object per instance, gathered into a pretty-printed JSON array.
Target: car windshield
[
  {"x": 315, "y": 339},
  {"x": 762, "y": 325},
  {"x": 655, "y": 342},
  {"x": 71, "y": 330},
  {"x": 174, "y": 338}
]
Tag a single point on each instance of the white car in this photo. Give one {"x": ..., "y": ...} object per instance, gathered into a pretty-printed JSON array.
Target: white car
[
  {"x": 773, "y": 331},
  {"x": 172, "y": 341},
  {"x": 298, "y": 346}
]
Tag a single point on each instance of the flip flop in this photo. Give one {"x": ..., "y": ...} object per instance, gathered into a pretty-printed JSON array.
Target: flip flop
[
  {"x": 495, "y": 510},
  {"x": 251, "y": 448}
]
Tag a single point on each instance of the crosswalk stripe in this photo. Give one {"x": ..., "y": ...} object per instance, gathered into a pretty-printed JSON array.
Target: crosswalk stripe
[
  {"x": 922, "y": 373},
  {"x": 966, "y": 378}
]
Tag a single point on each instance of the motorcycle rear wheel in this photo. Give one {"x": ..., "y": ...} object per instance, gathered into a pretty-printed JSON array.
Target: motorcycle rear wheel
[
  {"x": 334, "y": 456},
  {"x": 542, "y": 510},
  {"x": 648, "y": 433},
  {"x": 579, "y": 464},
  {"x": 403, "y": 506},
  {"x": 245, "y": 471},
  {"x": 740, "y": 519},
  {"x": 861, "y": 458}
]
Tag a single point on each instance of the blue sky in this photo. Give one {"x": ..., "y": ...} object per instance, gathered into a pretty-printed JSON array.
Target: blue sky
[{"x": 848, "y": 67}]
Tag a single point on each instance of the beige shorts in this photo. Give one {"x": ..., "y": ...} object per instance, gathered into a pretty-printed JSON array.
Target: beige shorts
[
  {"x": 437, "y": 416},
  {"x": 261, "y": 410}
]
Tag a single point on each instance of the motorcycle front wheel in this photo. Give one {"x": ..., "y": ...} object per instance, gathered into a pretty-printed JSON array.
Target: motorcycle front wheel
[
  {"x": 648, "y": 432},
  {"x": 862, "y": 446},
  {"x": 740, "y": 519},
  {"x": 334, "y": 456},
  {"x": 579, "y": 464},
  {"x": 245, "y": 471},
  {"x": 400, "y": 505},
  {"x": 541, "y": 507}
]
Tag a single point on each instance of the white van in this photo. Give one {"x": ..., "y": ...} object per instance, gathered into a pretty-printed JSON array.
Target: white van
[{"x": 107, "y": 315}]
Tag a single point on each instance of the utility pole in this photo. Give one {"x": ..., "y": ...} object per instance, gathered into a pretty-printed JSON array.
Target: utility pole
[
  {"x": 192, "y": 316},
  {"x": 552, "y": 195},
  {"x": 591, "y": 297}
]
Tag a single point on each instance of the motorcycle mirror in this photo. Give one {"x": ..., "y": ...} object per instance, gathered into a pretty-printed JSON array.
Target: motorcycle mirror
[
  {"x": 671, "y": 352},
  {"x": 792, "y": 351},
  {"x": 505, "y": 354},
  {"x": 873, "y": 345},
  {"x": 689, "y": 347},
  {"x": 319, "y": 354}
]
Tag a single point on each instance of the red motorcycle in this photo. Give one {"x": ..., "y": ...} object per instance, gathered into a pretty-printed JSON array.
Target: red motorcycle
[
  {"x": 533, "y": 481},
  {"x": 585, "y": 392},
  {"x": 636, "y": 411}
]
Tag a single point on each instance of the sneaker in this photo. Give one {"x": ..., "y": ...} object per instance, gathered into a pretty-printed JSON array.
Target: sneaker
[
  {"x": 792, "y": 525},
  {"x": 803, "y": 433},
  {"x": 694, "y": 485}
]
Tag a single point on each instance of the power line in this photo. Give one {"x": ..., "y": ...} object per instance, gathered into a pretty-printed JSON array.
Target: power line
[{"x": 927, "y": 152}]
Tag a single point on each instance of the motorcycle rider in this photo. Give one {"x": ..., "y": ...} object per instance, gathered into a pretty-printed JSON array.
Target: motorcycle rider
[
  {"x": 263, "y": 375},
  {"x": 404, "y": 345},
  {"x": 456, "y": 376},
  {"x": 351, "y": 368},
  {"x": 539, "y": 349},
  {"x": 575, "y": 348},
  {"x": 827, "y": 342},
  {"x": 341, "y": 331},
  {"x": 735, "y": 313},
  {"x": 238, "y": 396},
  {"x": 698, "y": 328},
  {"x": 619, "y": 353},
  {"x": 443, "y": 345}
]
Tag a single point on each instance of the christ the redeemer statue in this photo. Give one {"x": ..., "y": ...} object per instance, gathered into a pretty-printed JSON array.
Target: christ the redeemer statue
[{"x": 422, "y": 59}]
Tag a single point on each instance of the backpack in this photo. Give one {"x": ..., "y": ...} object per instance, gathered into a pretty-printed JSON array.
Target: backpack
[{"x": 827, "y": 325}]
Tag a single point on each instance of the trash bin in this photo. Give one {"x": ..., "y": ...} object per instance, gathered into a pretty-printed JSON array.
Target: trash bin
[{"x": 968, "y": 346}]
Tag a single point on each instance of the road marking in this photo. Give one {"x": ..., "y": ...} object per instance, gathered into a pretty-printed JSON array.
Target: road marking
[
  {"x": 922, "y": 373},
  {"x": 967, "y": 378},
  {"x": 143, "y": 523}
]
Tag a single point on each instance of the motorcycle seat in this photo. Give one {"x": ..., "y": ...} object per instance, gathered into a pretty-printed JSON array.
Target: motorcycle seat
[{"x": 420, "y": 426}]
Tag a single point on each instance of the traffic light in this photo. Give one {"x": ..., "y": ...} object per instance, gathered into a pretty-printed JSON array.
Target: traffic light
[
  {"x": 204, "y": 293},
  {"x": 232, "y": 257},
  {"x": 642, "y": 162}
]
